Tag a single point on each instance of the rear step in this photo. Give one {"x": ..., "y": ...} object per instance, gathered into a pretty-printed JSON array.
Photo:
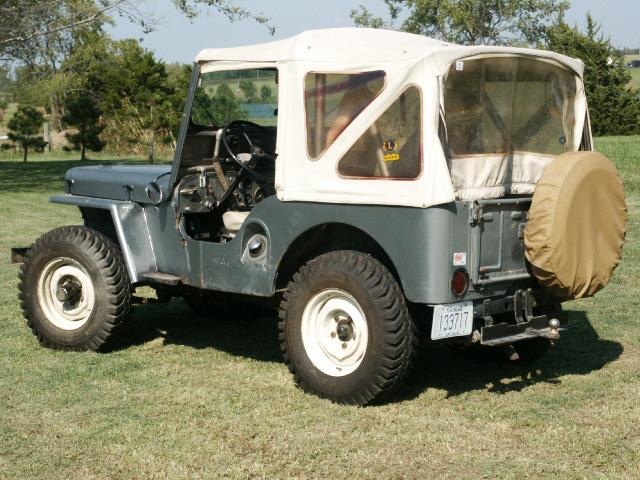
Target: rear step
[
  {"x": 503, "y": 333},
  {"x": 161, "y": 277}
]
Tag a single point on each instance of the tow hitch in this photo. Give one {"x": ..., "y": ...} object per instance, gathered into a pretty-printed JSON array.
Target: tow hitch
[{"x": 527, "y": 325}]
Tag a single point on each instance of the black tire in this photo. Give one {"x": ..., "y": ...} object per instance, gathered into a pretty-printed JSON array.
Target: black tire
[
  {"x": 391, "y": 337},
  {"x": 103, "y": 263}
]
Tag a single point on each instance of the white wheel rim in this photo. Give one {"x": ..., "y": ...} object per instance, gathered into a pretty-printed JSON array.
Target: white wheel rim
[
  {"x": 66, "y": 293},
  {"x": 334, "y": 332}
]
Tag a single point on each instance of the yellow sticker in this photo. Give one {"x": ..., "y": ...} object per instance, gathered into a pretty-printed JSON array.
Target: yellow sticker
[{"x": 391, "y": 157}]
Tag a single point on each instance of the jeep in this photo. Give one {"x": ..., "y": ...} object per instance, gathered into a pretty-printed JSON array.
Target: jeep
[{"x": 380, "y": 188}]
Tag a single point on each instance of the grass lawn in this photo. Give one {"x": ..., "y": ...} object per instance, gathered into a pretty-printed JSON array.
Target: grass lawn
[
  {"x": 182, "y": 397},
  {"x": 635, "y": 77}
]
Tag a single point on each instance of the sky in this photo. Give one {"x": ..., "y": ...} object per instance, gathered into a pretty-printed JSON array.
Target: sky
[{"x": 176, "y": 39}]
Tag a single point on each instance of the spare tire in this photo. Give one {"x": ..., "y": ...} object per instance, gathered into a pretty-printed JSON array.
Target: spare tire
[{"x": 577, "y": 223}]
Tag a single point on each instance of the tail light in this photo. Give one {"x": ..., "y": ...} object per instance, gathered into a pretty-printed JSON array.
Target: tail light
[{"x": 459, "y": 282}]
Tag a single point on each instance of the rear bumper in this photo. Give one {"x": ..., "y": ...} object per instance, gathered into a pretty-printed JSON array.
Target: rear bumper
[
  {"x": 522, "y": 326},
  {"x": 504, "y": 333}
]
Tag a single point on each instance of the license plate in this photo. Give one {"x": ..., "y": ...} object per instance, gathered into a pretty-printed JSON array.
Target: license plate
[{"x": 453, "y": 320}]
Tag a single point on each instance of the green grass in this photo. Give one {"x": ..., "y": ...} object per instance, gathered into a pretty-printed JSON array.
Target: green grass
[
  {"x": 182, "y": 397},
  {"x": 634, "y": 72},
  {"x": 635, "y": 77}
]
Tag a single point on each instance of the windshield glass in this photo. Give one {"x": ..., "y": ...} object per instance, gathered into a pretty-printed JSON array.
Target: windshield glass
[
  {"x": 502, "y": 105},
  {"x": 230, "y": 95}
]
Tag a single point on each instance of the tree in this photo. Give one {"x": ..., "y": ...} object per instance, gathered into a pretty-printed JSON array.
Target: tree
[
  {"x": 40, "y": 36},
  {"x": 6, "y": 87},
  {"x": 139, "y": 98},
  {"x": 471, "y": 22},
  {"x": 265, "y": 94},
  {"x": 83, "y": 114},
  {"x": 249, "y": 90},
  {"x": 24, "y": 23},
  {"x": 614, "y": 108},
  {"x": 225, "y": 105},
  {"x": 24, "y": 127}
]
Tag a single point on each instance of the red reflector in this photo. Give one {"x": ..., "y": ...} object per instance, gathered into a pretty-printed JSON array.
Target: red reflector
[{"x": 459, "y": 282}]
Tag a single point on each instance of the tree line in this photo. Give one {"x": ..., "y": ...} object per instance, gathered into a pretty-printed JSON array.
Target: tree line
[
  {"x": 59, "y": 58},
  {"x": 100, "y": 90}
]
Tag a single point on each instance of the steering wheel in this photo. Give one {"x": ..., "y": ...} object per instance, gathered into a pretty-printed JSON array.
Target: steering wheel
[{"x": 246, "y": 161}]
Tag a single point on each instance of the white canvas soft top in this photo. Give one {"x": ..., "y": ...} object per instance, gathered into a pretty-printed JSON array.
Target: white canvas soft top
[
  {"x": 406, "y": 59},
  {"x": 361, "y": 45},
  {"x": 333, "y": 45}
]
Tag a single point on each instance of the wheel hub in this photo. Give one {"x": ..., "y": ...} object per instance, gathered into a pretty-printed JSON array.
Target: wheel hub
[
  {"x": 334, "y": 332},
  {"x": 344, "y": 328},
  {"x": 66, "y": 293},
  {"x": 69, "y": 290}
]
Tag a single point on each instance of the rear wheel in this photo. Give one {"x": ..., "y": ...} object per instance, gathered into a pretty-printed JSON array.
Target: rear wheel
[
  {"x": 345, "y": 331},
  {"x": 74, "y": 288}
]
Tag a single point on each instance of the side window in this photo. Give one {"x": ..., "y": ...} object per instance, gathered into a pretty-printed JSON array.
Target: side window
[
  {"x": 332, "y": 101},
  {"x": 391, "y": 148}
]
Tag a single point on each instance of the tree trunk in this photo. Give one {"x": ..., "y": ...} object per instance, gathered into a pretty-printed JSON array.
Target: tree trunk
[
  {"x": 56, "y": 112},
  {"x": 25, "y": 149},
  {"x": 83, "y": 152}
]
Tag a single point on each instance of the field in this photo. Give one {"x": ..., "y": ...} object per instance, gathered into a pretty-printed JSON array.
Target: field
[
  {"x": 183, "y": 397},
  {"x": 634, "y": 72},
  {"x": 635, "y": 77}
]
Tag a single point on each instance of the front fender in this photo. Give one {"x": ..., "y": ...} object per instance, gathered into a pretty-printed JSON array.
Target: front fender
[{"x": 130, "y": 225}]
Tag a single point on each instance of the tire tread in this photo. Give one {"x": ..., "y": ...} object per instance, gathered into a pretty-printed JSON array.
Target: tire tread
[{"x": 108, "y": 259}]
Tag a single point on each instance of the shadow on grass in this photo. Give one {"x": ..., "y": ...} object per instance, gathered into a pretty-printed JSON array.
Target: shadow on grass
[
  {"x": 247, "y": 332},
  {"x": 43, "y": 176},
  {"x": 579, "y": 351},
  {"x": 254, "y": 335}
]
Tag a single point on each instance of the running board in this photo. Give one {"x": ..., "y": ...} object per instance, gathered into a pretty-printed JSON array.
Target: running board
[{"x": 161, "y": 277}]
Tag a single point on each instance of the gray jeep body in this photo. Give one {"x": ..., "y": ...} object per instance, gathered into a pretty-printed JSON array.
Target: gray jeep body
[
  {"x": 416, "y": 244},
  {"x": 137, "y": 207}
]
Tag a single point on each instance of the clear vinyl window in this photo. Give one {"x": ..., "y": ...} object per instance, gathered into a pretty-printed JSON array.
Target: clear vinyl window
[
  {"x": 391, "y": 147},
  {"x": 502, "y": 105},
  {"x": 333, "y": 101},
  {"x": 224, "y": 96}
]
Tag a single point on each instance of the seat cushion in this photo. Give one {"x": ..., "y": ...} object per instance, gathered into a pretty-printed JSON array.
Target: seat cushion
[{"x": 233, "y": 220}]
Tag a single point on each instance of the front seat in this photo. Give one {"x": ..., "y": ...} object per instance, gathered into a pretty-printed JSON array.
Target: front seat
[{"x": 233, "y": 220}]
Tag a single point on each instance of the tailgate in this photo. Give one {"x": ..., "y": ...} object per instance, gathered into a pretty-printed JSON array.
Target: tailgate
[{"x": 496, "y": 241}]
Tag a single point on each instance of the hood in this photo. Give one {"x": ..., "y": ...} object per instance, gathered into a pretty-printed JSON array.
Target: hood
[{"x": 117, "y": 182}]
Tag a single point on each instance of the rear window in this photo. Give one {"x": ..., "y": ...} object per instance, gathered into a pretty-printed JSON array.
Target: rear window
[
  {"x": 502, "y": 105},
  {"x": 333, "y": 101}
]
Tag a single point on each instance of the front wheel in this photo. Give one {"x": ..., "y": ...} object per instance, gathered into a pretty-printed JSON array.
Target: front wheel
[
  {"x": 345, "y": 331},
  {"x": 74, "y": 288}
]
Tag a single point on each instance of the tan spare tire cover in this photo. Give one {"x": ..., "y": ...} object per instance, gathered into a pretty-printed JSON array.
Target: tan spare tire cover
[{"x": 577, "y": 223}]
